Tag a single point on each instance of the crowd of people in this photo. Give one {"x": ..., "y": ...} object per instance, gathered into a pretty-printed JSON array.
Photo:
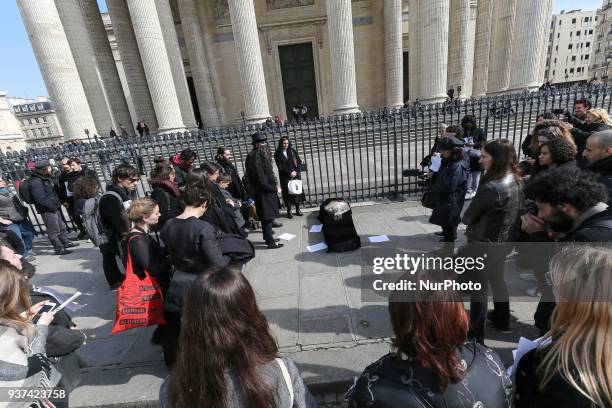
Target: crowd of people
[{"x": 190, "y": 234}]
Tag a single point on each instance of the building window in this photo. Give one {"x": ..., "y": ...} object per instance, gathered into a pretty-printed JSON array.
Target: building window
[
  {"x": 558, "y": 35},
  {"x": 573, "y": 21},
  {"x": 569, "y": 47},
  {"x": 586, "y": 57},
  {"x": 590, "y": 32},
  {"x": 44, "y": 119},
  {"x": 36, "y": 120},
  {"x": 588, "y": 44},
  {"x": 573, "y": 58},
  {"x": 556, "y": 48},
  {"x": 555, "y": 60},
  {"x": 571, "y": 70},
  {"x": 49, "y": 131},
  {"x": 559, "y": 22},
  {"x": 553, "y": 72}
]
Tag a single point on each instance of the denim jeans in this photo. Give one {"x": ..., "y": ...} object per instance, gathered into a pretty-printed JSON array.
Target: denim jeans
[{"x": 25, "y": 230}]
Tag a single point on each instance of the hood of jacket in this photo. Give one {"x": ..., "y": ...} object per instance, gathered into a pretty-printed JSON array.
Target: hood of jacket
[{"x": 176, "y": 160}]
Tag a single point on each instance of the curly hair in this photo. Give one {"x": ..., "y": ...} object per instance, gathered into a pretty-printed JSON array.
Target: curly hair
[
  {"x": 550, "y": 129},
  {"x": 85, "y": 187},
  {"x": 560, "y": 151},
  {"x": 572, "y": 186}
]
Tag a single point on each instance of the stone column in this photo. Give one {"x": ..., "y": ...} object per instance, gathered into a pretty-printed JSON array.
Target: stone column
[
  {"x": 132, "y": 64},
  {"x": 340, "y": 23},
  {"x": 115, "y": 97},
  {"x": 393, "y": 53},
  {"x": 176, "y": 62},
  {"x": 414, "y": 55},
  {"x": 246, "y": 40},
  {"x": 152, "y": 47},
  {"x": 500, "y": 56},
  {"x": 458, "y": 46},
  {"x": 484, "y": 19},
  {"x": 57, "y": 66},
  {"x": 198, "y": 61},
  {"x": 433, "y": 21},
  {"x": 530, "y": 41}
]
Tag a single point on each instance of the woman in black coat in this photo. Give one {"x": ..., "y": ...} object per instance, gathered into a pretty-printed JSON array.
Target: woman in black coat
[
  {"x": 449, "y": 186},
  {"x": 288, "y": 162},
  {"x": 165, "y": 192}
]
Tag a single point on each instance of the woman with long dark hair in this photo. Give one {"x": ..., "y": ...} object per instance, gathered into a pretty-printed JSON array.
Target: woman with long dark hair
[
  {"x": 432, "y": 363},
  {"x": 227, "y": 356},
  {"x": 492, "y": 220},
  {"x": 288, "y": 162},
  {"x": 165, "y": 191}
]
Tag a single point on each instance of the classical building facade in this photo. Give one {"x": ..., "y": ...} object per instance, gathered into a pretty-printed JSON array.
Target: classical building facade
[
  {"x": 176, "y": 62},
  {"x": 602, "y": 56},
  {"x": 39, "y": 124},
  {"x": 11, "y": 137},
  {"x": 571, "y": 46}
]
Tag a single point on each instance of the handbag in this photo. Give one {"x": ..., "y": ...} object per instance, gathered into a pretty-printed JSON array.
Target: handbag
[
  {"x": 294, "y": 187},
  {"x": 428, "y": 200},
  {"x": 180, "y": 282},
  {"x": 237, "y": 247},
  {"x": 287, "y": 378}
]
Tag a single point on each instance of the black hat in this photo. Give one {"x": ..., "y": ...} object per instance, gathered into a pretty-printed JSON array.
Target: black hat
[
  {"x": 258, "y": 137},
  {"x": 449, "y": 143},
  {"x": 41, "y": 164}
]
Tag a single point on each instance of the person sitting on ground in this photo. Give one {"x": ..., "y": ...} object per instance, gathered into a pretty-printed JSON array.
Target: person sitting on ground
[
  {"x": 192, "y": 247},
  {"x": 596, "y": 120},
  {"x": 165, "y": 191},
  {"x": 571, "y": 367},
  {"x": 182, "y": 163},
  {"x": 432, "y": 364},
  {"x": 598, "y": 153},
  {"x": 23, "y": 360},
  {"x": 112, "y": 206},
  {"x": 14, "y": 215},
  {"x": 239, "y": 363},
  {"x": 224, "y": 181}
]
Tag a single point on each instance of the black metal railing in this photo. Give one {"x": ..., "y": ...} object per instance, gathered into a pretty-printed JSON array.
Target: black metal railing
[{"x": 359, "y": 157}]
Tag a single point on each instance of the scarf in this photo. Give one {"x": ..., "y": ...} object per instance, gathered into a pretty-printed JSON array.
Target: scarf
[{"x": 168, "y": 185}]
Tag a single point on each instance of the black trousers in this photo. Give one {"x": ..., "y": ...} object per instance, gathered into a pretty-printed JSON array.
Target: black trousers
[
  {"x": 109, "y": 264},
  {"x": 76, "y": 218},
  {"x": 268, "y": 234},
  {"x": 450, "y": 232}
]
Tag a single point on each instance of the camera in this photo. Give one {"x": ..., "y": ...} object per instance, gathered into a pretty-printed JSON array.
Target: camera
[
  {"x": 424, "y": 178},
  {"x": 558, "y": 111}
]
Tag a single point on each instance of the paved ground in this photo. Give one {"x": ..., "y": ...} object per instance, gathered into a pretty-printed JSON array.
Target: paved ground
[{"x": 312, "y": 300}]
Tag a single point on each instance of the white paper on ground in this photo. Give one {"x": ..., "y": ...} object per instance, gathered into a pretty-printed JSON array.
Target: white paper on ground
[
  {"x": 61, "y": 298},
  {"x": 524, "y": 346},
  {"x": 316, "y": 228},
  {"x": 379, "y": 238},
  {"x": 286, "y": 236},
  {"x": 317, "y": 247},
  {"x": 436, "y": 161}
]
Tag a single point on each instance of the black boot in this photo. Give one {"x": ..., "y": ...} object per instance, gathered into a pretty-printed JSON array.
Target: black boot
[
  {"x": 297, "y": 210},
  {"x": 500, "y": 316},
  {"x": 289, "y": 212}
]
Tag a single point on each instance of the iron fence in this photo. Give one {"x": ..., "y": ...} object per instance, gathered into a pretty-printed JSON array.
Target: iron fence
[{"x": 359, "y": 157}]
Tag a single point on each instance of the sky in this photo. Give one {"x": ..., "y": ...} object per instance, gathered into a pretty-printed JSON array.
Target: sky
[{"x": 19, "y": 73}]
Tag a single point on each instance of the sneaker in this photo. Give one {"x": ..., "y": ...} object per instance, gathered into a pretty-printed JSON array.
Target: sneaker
[
  {"x": 533, "y": 292},
  {"x": 528, "y": 277},
  {"x": 71, "y": 245},
  {"x": 62, "y": 251}
]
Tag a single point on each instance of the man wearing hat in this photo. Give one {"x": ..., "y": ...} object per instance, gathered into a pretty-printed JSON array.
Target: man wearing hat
[
  {"x": 262, "y": 182},
  {"x": 48, "y": 205},
  {"x": 449, "y": 186}
]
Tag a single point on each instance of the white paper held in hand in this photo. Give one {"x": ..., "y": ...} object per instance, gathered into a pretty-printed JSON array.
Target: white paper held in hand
[
  {"x": 70, "y": 299},
  {"x": 316, "y": 228},
  {"x": 317, "y": 247}
]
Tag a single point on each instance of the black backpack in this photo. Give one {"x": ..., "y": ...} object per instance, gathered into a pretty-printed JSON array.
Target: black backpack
[{"x": 25, "y": 193}]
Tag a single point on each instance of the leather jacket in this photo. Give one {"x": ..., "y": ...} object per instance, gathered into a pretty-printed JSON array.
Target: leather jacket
[{"x": 493, "y": 215}]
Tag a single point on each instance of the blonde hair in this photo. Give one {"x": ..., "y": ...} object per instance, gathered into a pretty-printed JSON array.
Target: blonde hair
[
  {"x": 581, "y": 325},
  {"x": 600, "y": 115},
  {"x": 140, "y": 208},
  {"x": 14, "y": 295}
]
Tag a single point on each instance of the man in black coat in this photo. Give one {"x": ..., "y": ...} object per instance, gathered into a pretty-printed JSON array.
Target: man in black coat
[
  {"x": 182, "y": 163},
  {"x": 224, "y": 159},
  {"x": 571, "y": 208},
  {"x": 48, "y": 205},
  {"x": 77, "y": 170},
  {"x": 263, "y": 183},
  {"x": 598, "y": 152}
]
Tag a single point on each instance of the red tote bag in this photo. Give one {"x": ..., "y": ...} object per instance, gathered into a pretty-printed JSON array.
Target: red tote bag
[{"x": 140, "y": 302}]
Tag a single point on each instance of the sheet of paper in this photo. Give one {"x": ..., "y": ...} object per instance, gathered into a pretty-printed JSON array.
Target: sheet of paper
[
  {"x": 286, "y": 236},
  {"x": 524, "y": 346},
  {"x": 60, "y": 297},
  {"x": 436, "y": 161},
  {"x": 317, "y": 247},
  {"x": 379, "y": 238},
  {"x": 316, "y": 228}
]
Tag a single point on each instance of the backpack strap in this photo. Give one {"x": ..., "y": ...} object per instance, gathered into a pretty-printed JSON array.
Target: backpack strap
[{"x": 287, "y": 378}]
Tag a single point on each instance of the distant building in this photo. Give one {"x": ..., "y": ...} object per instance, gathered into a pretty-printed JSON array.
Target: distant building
[
  {"x": 602, "y": 57},
  {"x": 570, "y": 47},
  {"x": 38, "y": 123},
  {"x": 11, "y": 136}
]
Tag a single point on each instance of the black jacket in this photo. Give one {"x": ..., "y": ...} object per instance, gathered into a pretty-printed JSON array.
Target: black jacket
[
  {"x": 557, "y": 393},
  {"x": 167, "y": 198},
  {"x": 146, "y": 254},
  {"x": 43, "y": 193},
  {"x": 286, "y": 165},
  {"x": 179, "y": 170},
  {"x": 449, "y": 187},
  {"x": 581, "y": 134},
  {"x": 236, "y": 188},
  {"x": 477, "y": 134},
  {"x": 264, "y": 185},
  {"x": 112, "y": 212},
  {"x": 493, "y": 214},
  {"x": 192, "y": 245},
  {"x": 392, "y": 382},
  {"x": 603, "y": 167}
]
